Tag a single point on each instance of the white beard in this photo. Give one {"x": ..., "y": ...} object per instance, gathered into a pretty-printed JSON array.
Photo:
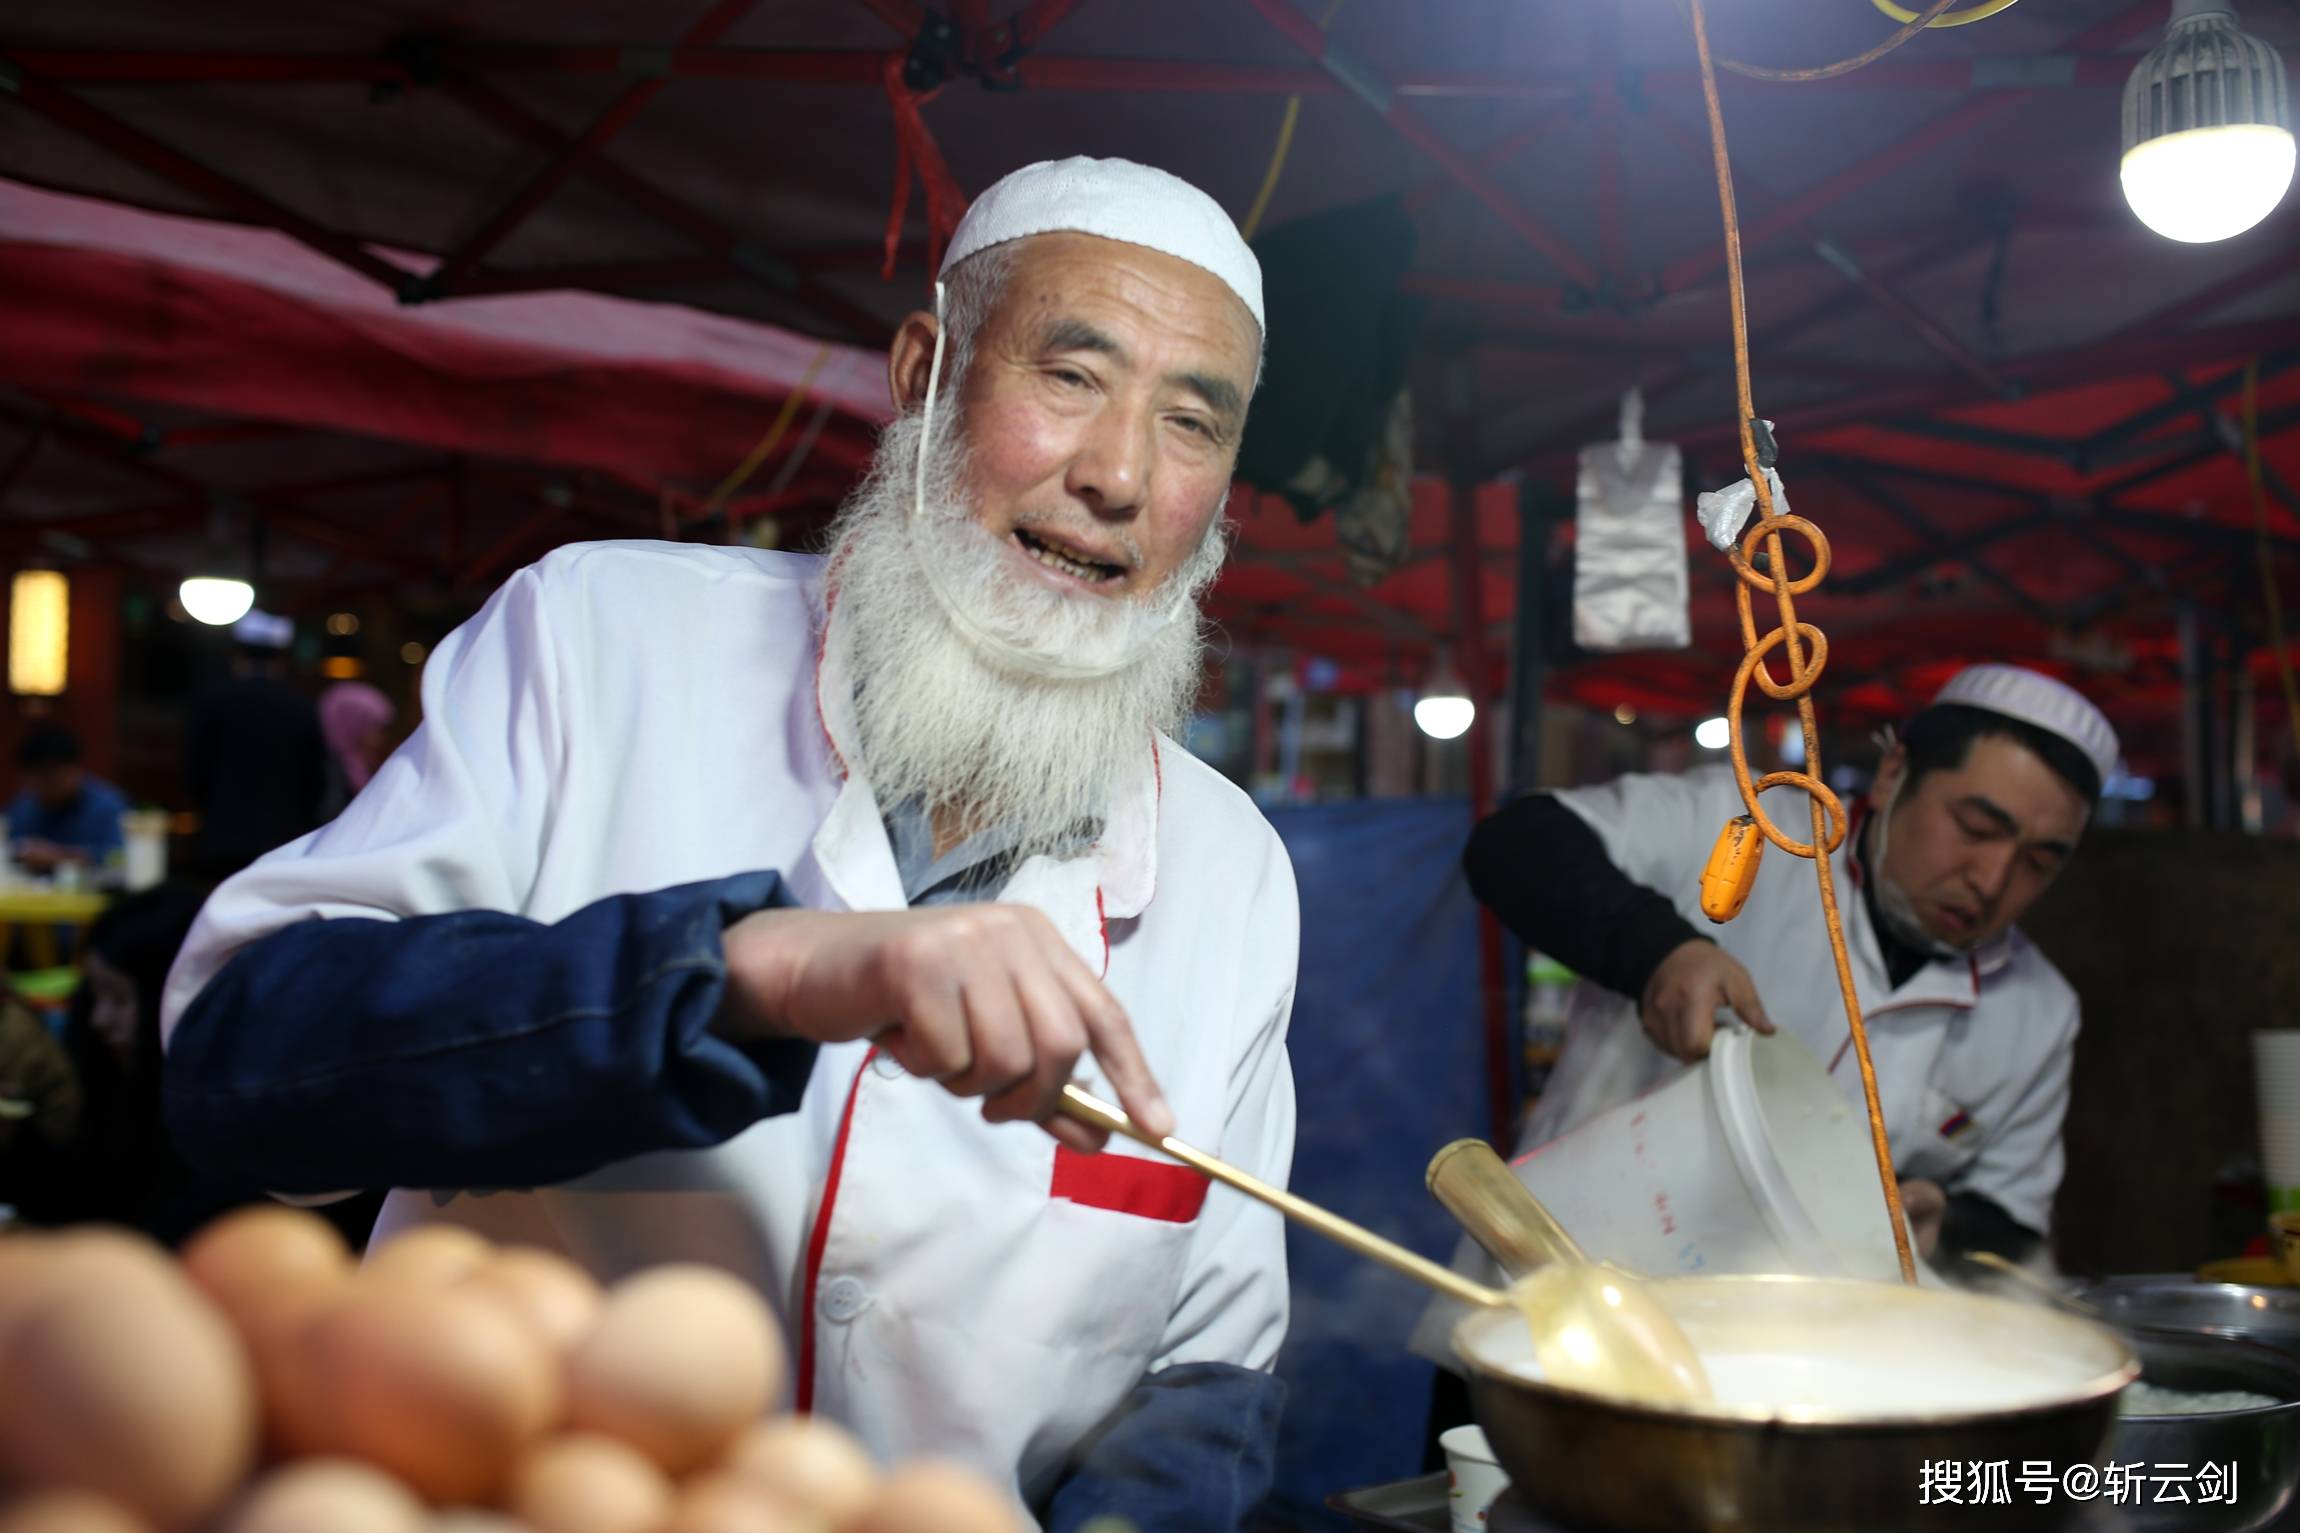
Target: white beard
[{"x": 969, "y": 695}]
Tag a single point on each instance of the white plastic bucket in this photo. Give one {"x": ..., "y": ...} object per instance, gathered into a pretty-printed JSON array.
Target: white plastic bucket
[{"x": 1751, "y": 1161}]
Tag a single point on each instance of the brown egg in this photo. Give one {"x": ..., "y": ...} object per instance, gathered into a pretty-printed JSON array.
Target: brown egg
[
  {"x": 682, "y": 1359},
  {"x": 26, "y": 1265},
  {"x": 549, "y": 1292},
  {"x": 814, "y": 1464},
  {"x": 66, "y": 1511},
  {"x": 934, "y": 1496},
  {"x": 589, "y": 1484},
  {"x": 298, "y": 1414},
  {"x": 35, "y": 1267},
  {"x": 442, "y": 1389},
  {"x": 434, "y": 1256},
  {"x": 726, "y": 1503},
  {"x": 130, "y": 1387},
  {"x": 243, "y": 1259},
  {"x": 326, "y": 1495}
]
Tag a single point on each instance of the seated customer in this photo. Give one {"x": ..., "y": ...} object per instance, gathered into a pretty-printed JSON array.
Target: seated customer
[{"x": 63, "y": 814}]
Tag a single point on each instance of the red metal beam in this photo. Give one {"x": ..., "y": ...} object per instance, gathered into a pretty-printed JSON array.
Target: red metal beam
[
  {"x": 99, "y": 526},
  {"x": 140, "y": 148},
  {"x": 504, "y": 548},
  {"x": 226, "y": 433},
  {"x": 1887, "y": 297},
  {"x": 1605, "y": 115},
  {"x": 343, "y": 540},
  {"x": 905, "y": 16},
  {"x": 2041, "y": 372},
  {"x": 2276, "y": 265},
  {"x": 864, "y": 68},
  {"x": 1494, "y": 155},
  {"x": 417, "y": 503},
  {"x": 759, "y": 266},
  {"x": 1544, "y": 298},
  {"x": 603, "y": 279},
  {"x": 1659, "y": 386},
  {"x": 35, "y": 438},
  {"x": 1922, "y": 140},
  {"x": 1312, "y": 39},
  {"x": 1040, "y": 72},
  {"x": 1040, "y": 17},
  {"x": 625, "y": 109},
  {"x": 81, "y": 66}
]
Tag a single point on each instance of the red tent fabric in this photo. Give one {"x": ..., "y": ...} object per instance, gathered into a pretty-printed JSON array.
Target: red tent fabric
[{"x": 98, "y": 299}]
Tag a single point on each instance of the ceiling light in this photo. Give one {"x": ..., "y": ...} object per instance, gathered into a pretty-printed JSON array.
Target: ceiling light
[
  {"x": 216, "y": 600},
  {"x": 2208, "y": 146},
  {"x": 1444, "y": 710},
  {"x": 1712, "y": 734}
]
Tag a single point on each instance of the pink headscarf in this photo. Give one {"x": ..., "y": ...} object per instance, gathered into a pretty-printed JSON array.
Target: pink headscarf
[{"x": 350, "y": 715}]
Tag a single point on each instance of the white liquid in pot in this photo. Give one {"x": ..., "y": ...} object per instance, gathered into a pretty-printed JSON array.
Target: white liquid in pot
[{"x": 1872, "y": 1386}]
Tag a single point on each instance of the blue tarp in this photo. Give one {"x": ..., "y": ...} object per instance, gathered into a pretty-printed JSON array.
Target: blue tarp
[{"x": 1388, "y": 1056}]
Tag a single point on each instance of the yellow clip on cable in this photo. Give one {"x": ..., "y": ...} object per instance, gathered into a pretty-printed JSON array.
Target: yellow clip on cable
[{"x": 1981, "y": 12}]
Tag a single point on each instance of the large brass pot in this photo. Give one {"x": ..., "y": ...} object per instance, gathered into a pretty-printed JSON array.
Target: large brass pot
[{"x": 2048, "y": 1383}]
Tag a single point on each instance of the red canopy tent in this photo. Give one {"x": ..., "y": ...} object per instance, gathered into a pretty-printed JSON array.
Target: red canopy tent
[{"x": 2008, "y": 403}]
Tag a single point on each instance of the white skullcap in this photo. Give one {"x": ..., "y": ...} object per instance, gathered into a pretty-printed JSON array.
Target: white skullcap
[
  {"x": 1118, "y": 200},
  {"x": 264, "y": 630},
  {"x": 2035, "y": 698}
]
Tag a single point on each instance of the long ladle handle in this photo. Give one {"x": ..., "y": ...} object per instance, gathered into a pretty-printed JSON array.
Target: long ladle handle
[
  {"x": 1091, "y": 1110},
  {"x": 1478, "y": 1188}
]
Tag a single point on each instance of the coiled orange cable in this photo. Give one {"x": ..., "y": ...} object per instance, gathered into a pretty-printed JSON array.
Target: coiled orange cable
[{"x": 1796, "y": 639}]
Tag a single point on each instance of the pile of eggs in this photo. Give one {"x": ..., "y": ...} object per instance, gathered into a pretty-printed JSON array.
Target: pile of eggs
[{"x": 268, "y": 1384}]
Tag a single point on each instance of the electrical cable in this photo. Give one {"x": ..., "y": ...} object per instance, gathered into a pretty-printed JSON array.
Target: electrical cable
[
  {"x": 1794, "y": 637},
  {"x": 1912, "y": 22},
  {"x": 1253, "y": 219}
]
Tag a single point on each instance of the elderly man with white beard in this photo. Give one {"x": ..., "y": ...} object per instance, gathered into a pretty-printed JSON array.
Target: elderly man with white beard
[{"x": 746, "y": 908}]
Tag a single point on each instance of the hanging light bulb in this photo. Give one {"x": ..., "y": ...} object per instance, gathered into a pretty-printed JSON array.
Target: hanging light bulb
[
  {"x": 216, "y": 600},
  {"x": 2208, "y": 146},
  {"x": 1444, "y": 710},
  {"x": 1713, "y": 734}
]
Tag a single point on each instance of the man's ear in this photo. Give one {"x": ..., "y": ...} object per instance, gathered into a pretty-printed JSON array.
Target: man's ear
[
  {"x": 1892, "y": 771},
  {"x": 910, "y": 359}
]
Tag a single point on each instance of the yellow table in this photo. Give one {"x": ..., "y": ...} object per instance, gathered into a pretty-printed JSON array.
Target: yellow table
[{"x": 40, "y": 912}]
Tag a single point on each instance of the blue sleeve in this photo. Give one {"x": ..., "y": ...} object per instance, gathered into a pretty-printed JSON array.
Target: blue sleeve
[
  {"x": 1191, "y": 1451},
  {"x": 474, "y": 1049},
  {"x": 101, "y": 831},
  {"x": 25, "y": 816}
]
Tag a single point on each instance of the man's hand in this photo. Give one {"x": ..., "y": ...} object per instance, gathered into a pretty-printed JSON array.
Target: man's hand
[
  {"x": 1926, "y": 1204},
  {"x": 1680, "y": 1004},
  {"x": 42, "y": 856},
  {"x": 986, "y": 999}
]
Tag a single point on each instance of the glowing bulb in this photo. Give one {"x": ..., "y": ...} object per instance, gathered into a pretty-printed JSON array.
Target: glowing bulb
[
  {"x": 2208, "y": 183},
  {"x": 217, "y": 602},
  {"x": 1713, "y": 734},
  {"x": 1444, "y": 717}
]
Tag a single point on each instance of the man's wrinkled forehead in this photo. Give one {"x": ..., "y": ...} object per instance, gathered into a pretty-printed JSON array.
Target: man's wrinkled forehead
[{"x": 1053, "y": 282}]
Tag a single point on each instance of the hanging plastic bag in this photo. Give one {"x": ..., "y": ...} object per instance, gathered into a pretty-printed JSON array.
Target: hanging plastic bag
[{"x": 1629, "y": 576}]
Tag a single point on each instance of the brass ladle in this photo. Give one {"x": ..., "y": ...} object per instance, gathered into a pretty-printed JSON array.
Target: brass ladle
[
  {"x": 1594, "y": 1328},
  {"x": 1594, "y": 1325}
]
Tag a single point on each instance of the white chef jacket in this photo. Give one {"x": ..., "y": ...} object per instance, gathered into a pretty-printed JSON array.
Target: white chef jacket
[
  {"x": 625, "y": 717},
  {"x": 1972, "y": 1054}
]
